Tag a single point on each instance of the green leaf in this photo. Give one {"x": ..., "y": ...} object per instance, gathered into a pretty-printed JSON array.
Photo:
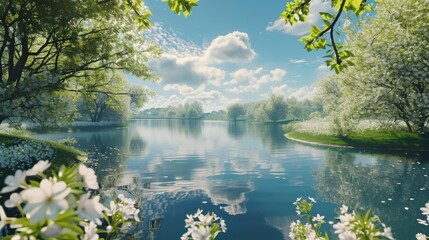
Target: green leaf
[
  {"x": 356, "y": 4},
  {"x": 337, "y": 68},
  {"x": 68, "y": 236},
  {"x": 22, "y": 221},
  {"x": 70, "y": 226},
  {"x": 65, "y": 216},
  {"x": 327, "y": 23},
  {"x": 326, "y": 16}
]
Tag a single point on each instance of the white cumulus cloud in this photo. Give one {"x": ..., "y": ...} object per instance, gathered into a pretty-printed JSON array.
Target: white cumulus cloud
[
  {"x": 183, "y": 62},
  {"x": 186, "y": 70},
  {"x": 279, "y": 90},
  {"x": 231, "y": 48},
  {"x": 210, "y": 99},
  {"x": 322, "y": 71},
  {"x": 307, "y": 92},
  {"x": 250, "y": 80}
]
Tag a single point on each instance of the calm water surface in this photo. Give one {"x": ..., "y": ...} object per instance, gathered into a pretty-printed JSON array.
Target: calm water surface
[{"x": 250, "y": 175}]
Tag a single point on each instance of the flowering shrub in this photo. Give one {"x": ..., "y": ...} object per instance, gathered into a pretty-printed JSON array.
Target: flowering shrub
[
  {"x": 333, "y": 125},
  {"x": 20, "y": 152},
  {"x": 6, "y": 128},
  {"x": 350, "y": 225},
  {"x": 203, "y": 227},
  {"x": 62, "y": 206},
  {"x": 319, "y": 126},
  {"x": 74, "y": 124}
]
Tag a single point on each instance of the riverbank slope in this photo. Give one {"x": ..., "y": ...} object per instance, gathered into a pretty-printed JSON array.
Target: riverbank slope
[{"x": 383, "y": 140}]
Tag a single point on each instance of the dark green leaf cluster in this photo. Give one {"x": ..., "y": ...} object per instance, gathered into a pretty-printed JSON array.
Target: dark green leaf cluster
[
  {"x": 179, "y": 6},
  {"x": 298, "y": 11}
]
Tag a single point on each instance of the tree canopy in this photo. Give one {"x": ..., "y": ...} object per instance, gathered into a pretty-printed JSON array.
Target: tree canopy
[
  {"x": 48, "y": 47},
  {"x": 274, "y": 108},
  {"x": 235, "y": 110},
  {"x": 390, "y": 77}
]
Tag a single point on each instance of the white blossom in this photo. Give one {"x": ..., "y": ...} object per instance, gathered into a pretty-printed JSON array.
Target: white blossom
[
  {"x": 89, "y": 177},
  {"x": 189, "y": 221},
  {"x": 223, "y": 225},
  {"x": 423, "y": 222},
  {"x": 13, "y": 201},
  {"x": 344, "y": 209},
  {"x": 318, "y": 218},
  {"x": 388, "y": 233},
  {"x": 201, "y": 233},
  {"x": 90, "y": 208},
  {"x": 420, "y": 236},
  {"x": 45, "y": 201},
  {"x": 90, "y": 232},
  {"x": 14, "y": 182},
  {"x": 425, "y": 209},
  {"x": 39, "y": 168},
  {"x": 3, "y": 218},
  {"x": 199, "y": 225},
  {"x": 205, "y": 219}
]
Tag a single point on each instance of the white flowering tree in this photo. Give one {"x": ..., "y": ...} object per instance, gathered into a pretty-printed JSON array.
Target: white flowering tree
[{"x": 390, "y": 76}]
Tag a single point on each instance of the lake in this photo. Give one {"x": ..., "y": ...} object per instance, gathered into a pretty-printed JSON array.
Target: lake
[{"x": 249, "y": 175}]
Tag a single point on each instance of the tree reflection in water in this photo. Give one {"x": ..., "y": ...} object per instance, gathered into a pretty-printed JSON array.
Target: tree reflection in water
[
  {"x": 271, "y": 136},
  {"x": 190, "y": 127},
  {"x": 237, "y": 129},
  {"x": 393, "y": 188}
]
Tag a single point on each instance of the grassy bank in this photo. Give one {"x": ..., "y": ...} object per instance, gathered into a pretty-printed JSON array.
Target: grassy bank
[
  {"x": 389, "y": 140},
  {"x": 76, "y": 126},
  {"x": 62, "y": 154}
]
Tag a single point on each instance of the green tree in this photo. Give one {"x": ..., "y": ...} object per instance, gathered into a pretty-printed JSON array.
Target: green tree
[
  {"x": 274, "y": 108},
  {"x": 302, "y": 109},
  {"x": 252, "y": 109},
  {"x": 235, "y": 110},
  {"x": 48, "y": 47},
  {"x": 390, "y": 78},
  {"x": 108, "y": 95},
  {"x": 190, "y": 110},
  {"x": 97, "y": 96}
]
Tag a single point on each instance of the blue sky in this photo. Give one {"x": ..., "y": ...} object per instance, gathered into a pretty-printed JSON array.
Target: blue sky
[{"x": 231, "y": 51}]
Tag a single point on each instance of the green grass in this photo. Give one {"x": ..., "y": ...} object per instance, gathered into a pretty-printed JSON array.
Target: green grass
[
  {"x": 64, "y": 155},
  {"x": 389, "y": 140}
]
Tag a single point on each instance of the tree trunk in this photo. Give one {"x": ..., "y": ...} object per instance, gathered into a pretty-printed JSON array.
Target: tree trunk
[
  {"x": 410, "y": 128},
  {"x": 101, "y": 112}
]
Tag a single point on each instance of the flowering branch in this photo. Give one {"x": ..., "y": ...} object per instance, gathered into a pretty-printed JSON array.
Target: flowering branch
[{"x": 62, "y": 206}]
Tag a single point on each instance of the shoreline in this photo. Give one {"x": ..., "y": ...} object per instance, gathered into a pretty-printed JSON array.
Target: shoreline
[{"x": 353, "y": 147}]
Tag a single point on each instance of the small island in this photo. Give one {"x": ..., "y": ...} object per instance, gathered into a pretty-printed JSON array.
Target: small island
[{"x": 371, "y": 140}]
